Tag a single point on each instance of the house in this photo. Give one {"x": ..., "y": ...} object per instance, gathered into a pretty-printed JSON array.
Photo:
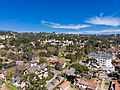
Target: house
[
  {"x": 71, "y": 72},
  {"x": 40, "y": 70},
  {"x": 2, "y": 76},
  {"x": 21, "y": 67},
  {"x": 116, "y": 63},
  {"x": 52, "y": 60},
  {"x": 64, "y": 86},
  {"x": 70, "y": 75},
  {"x": 86, "y": 84},
  {"x": 62, "y": 62},
  {"x": 16, "y": 82},
  {"x": 51, "y": 84},
  {"x": 55, "y": 60},
  {"x": 104, "y": 60},
  {"x": 2, "y": 46},
  {"x": 33, "y": 62},
  {"x": 115, "y": 85},
  {"x": 19, "y": 62}
]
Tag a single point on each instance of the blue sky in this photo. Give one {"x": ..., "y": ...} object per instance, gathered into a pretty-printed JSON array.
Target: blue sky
[{"x": 61, "y": 16}]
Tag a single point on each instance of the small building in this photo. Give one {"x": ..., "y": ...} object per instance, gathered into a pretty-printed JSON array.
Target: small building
[{"x": 64, "y": 86}]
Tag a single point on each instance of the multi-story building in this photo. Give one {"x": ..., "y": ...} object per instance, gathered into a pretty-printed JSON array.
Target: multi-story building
[{"x": 103, "y": 59}]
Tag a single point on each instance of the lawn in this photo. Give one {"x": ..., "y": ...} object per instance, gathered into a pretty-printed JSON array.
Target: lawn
[
  {"x": 10, "y": 86},
  {"x": 1, "y": 81},
  {"x": 50, "y": 76}
]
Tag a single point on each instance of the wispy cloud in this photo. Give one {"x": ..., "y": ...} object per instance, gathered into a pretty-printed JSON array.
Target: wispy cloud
[
  {"x": 69, "y": 26},
  {"x": 107, "y": 20},
  {"x": 104, "y": 31}
]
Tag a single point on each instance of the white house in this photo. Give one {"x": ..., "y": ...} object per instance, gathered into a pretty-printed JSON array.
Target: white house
[{"x": 104, "y": 60}]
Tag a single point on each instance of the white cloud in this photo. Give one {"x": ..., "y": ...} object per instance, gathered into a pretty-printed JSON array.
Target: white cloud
[
  {"x": 70, "y": 26},
  {"x": 108, "y": 20},
  {"x": 104, "y": 31}
]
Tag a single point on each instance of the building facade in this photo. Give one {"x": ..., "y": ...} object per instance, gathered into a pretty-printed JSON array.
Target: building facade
[{"x": 103, "y": 59}]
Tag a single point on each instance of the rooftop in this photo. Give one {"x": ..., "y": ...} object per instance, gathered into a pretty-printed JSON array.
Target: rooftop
[
  {"x": 116, "y": 60},
  {"x": 117, "y": 85},
  {"x": 91, "y": 83},
  {"x": 64, "y": 85}
]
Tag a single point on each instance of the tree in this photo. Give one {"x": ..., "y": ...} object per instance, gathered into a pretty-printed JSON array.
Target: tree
[
  {"x": 9, "y": 74},
  {"x": 80, "y": 68},
  {"x": 72, "y": 57},
  {"x": 3, "y": 52},
  {"x": 91, "y": 60},
  {"x": 35, "y": 84},
  {"x": 58, "y": 66},
  {"x": 1, "y": 63}
]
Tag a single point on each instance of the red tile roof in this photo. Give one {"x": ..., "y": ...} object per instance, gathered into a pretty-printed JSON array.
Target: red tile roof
[
  {"x": 91, "y": 83},
  {"x": 116, "y": 60},
  {"x": 64, "y": 85},
  {"x": 117, "y": 85}
]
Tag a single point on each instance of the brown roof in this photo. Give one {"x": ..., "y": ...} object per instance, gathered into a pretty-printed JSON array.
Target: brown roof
[
  {"x": 64, "y": 85},
  {"x": 55, "y": 59},
  {"x": 116, "y": 60},
  {"x": 61, "y": 61},
  {"x": 91, "y": 83},
  {"x": 52, "y": 59},
  {"x": 117, "y": 85},
  {"x": 21, "y": 67}
]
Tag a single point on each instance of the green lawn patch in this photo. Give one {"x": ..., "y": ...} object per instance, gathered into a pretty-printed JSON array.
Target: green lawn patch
[
  {"x": 10, "y": 86},
  {"x": 1, "y": 81},
  {"x": 50, "y": 76}
]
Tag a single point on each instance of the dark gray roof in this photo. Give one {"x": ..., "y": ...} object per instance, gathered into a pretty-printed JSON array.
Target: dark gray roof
[
  {"x": 16, "y": 79},
  {"x": 33, "y": 61},
  {"x": 100, "y": 54},
  {"x": 71, "y": 71},
  {"x": 36, "y": 68}
]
